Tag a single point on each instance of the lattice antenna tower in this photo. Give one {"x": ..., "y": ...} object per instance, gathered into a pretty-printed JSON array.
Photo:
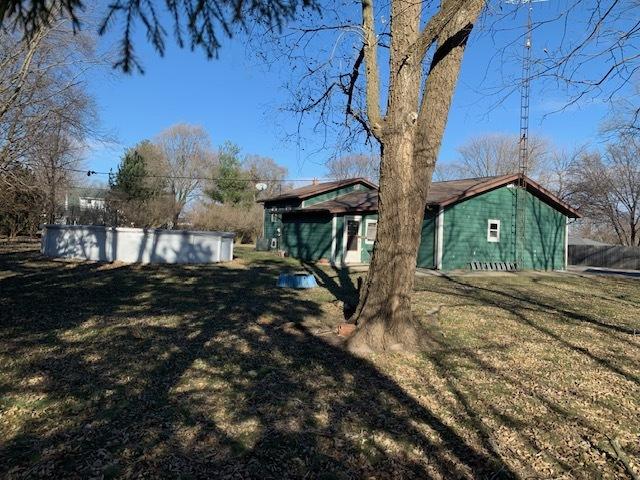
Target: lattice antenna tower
[{"x": 523, "y": 143}]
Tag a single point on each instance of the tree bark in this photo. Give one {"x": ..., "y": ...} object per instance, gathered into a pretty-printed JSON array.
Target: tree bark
[
  {"x": 52, "y": 204},
  {"x": 410, "y": 141},
  {"x": 384, "y": 316},
  {"x": 176, "y": 217}
]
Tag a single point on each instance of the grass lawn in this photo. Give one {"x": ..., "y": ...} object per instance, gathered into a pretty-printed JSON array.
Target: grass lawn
[{"x": 118, "y": 371}]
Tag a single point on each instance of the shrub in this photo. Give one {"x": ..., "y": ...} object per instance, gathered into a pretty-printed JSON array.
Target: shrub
[{"x": 246, "y": 222}]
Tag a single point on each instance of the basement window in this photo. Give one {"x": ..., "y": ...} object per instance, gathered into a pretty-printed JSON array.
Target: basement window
[
  {"x": 372, "y": 229},
  {"x": 493, "y": 231}
]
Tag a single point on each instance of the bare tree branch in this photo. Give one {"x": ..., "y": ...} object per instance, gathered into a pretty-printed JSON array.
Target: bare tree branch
[{"x": 370, "y": 49}]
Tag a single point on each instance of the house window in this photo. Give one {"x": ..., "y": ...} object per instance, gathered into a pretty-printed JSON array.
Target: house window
[
  {"x": 274, "y": 217},
  {"x": 372, "y": 228},
  {"x": 493, "y": 230}
]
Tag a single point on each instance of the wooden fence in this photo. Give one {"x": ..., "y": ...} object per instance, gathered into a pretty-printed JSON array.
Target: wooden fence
[{"x": 610, "y": 256}]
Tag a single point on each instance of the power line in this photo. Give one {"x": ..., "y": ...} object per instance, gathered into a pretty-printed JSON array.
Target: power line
[
  {"x": 90, "y": 173},
  {"x": 107, "y": 189}
]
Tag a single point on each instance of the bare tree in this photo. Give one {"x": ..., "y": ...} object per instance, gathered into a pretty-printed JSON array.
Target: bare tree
[
  {"x": 56, "y": 152},
  {"x": 624, "y": 117},
  {"x": 43, "y": 95},
  {"x": 445, "y": 171},
  {"x": 185, "y": 149},
  {"x": 245, "y": 222},
  {"x": 22, "y": 208},
  {"x": 607, "y": 189},
  {"x": 266, "y": 170},
  {"x": 498, "y": 154},
  {"x": 558, "y": 171},
  {"x": 356, "y": 165},
  {"x": 340, "y": 89},
  {"x": 54, "y": 158},
  {"x": 596, "y": 54},
  {"x": 410, "y": 134},
  {"x": 45, "y": 111}
]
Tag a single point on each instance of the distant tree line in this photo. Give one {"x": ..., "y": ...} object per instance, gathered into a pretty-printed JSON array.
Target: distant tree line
[
  {"x": 354, "y": 165},
  {"x": 178, "y": 180}
]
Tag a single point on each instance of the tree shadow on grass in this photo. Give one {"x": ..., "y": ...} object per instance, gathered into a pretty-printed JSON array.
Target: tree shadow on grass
[
  {"x": 542, "y": 324},
  {"x": 519, "y": 304},
  {"x": 201, "y": 372},
  {"x": 339, "y": 282}
]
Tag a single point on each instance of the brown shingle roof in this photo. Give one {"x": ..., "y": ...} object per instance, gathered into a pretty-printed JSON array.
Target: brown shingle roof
[
  {"x": 440, "y": 192},
  {"x": 443, "y": 194},
  {"x": 363, "y": 201},
  {"x": 310, "y": 190}
]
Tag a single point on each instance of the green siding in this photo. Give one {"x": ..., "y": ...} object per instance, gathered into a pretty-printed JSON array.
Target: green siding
[
  {"x": 323, "y": 197},
  {"x": 269, "y": 226},
  {"x": 426, "y": 250},
  {"x": 465, "y": 232},
  {"x": 307, "y": 237},
  {"x": 544, "y": 232}
]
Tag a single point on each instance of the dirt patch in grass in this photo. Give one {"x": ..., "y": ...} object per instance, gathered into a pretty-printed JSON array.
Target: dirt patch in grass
[{"x": 211, "y": 372}]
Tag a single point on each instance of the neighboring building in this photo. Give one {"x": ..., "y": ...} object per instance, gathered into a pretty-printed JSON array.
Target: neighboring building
[
  {"x": 465, "y": 221},
  {"x": 88, "y": 203},
  {"x": 84, "y": 206}
]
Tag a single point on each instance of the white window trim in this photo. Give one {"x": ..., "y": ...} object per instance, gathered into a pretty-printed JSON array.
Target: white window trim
[
  {"x": 366, "y": 230},
  {"x": 489, "y": 237}
]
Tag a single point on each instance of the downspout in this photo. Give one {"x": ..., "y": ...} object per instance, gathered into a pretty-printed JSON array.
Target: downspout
[
  {"x": 439, "y": 237},
  {"x": 566, "y": 243},
  {"x": 334, "y": 231}
]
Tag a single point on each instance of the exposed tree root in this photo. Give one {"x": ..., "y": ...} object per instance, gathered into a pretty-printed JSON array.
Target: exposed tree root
[{"x": 378, "y": 335}]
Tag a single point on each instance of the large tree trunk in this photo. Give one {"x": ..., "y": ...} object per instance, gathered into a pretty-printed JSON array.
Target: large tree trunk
[
  {"x": 384, "y": 314},
  {"x": 410, "y": 140}
]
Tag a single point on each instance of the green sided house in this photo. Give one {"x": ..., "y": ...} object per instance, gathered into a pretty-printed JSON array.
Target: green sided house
[{"x": 469, "y": 223}]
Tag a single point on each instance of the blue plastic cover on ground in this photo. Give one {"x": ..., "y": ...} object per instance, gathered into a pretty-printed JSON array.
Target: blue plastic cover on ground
[{"x": 296, "y": 280}]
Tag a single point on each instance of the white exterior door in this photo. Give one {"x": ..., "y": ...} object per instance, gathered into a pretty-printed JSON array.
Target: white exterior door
[{"x": 351, "y": 240}]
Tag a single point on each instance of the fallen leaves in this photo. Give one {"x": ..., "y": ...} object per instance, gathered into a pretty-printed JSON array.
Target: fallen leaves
[{"x": 210, "y": 372}]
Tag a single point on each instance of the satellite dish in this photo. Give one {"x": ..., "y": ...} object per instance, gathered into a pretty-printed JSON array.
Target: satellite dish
[{"x": 261, "y": 187}]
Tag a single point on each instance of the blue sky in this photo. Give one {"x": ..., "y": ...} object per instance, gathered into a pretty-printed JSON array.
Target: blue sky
[{"x": 236, "y": 98}]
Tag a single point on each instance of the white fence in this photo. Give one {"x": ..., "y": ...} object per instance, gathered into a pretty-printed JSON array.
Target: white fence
[{"x": 108, "y": 244}]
